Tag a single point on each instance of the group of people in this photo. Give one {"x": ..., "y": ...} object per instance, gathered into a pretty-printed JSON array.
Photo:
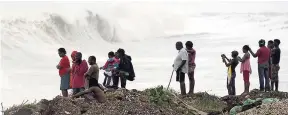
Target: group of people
[
  {"x": 268, "y": 66},
  {"x": 119, "y": 66},
  {"x": 84, "y": 80}
]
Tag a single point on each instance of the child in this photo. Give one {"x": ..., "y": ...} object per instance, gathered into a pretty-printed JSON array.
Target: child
[
  {"x": 108, "y": 67},
  {"x": 231, "y": 64},
  {"x": 245, "y": 68}
]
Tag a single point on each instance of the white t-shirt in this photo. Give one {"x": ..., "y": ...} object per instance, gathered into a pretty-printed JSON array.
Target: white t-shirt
[{"x": 182, "y": 55}]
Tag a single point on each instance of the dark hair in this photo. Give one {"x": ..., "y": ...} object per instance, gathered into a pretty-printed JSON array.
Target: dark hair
[
  {"x": 62, "y": 50},
  {"x": 261, "y": 42},
  {"x": 189, "y": 44},
  {"x": 179, "y": 43},
  {"x": 234, "y": 54},
  {"x": 246, "y": 47},
  {"x": 93, "y": 58},
  {"x": 111, "y": 53},
  {"x": 121, "y": 51},
  {"x": 270, "y": 42},
  {"x": 277, "y": 41}
]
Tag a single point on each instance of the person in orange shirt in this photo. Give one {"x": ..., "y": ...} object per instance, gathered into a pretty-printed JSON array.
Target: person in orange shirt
[{"x": 63, "y": 67}]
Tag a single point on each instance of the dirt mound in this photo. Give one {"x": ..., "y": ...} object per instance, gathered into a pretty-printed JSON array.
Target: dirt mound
[
  {"x": 119, "y": 102},
  {"x": 277, "y": 108}
]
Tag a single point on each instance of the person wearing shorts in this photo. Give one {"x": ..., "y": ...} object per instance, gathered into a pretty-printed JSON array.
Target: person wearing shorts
[
  {"x": 181, "y": 66},
  {"x": 245, "y": 68},
  {"x": 63, "y": 67},
  {"x": 276, "y": 54}
]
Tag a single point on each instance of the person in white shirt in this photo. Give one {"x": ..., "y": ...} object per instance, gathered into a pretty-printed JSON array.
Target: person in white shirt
[{"x": 181, "y": 66}]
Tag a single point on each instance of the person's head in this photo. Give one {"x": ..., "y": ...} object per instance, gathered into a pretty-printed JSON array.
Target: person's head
[
  {"x": 270, "y": 44},
  {"x": 61, "y": 52},
  {"x": 234, "y": 54},
  {"x": 78, "y": 57},
  {"x": 245, "y": 48},
  {"x": 277, "y": 42},
  {"x": 92, "y": 60},
  {"x": 121, "y": 52},
  {"x": 111, "y": 54},
  {"x": 261, "y": 43},
  {"x": 73, "y": 54},
  {"x": 189, "y": 45},
  {"x": 179, "y": 45},
  {"x": 116, "y": 55}
]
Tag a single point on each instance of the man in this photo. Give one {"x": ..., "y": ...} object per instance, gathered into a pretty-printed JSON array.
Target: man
[
  {"x": 191, "y": 65},
  {"x": 63, "y": 67},
  {"x": 263, "y": 55},
  {"x": 93, "y": 72},
  {"x": 276, "y": 53},
  {"x": 93, "y": 86},
  {"x": 80, "y": 69},
  {"x": 181, "y": 66},
  {"x": 125, "y": 69}
]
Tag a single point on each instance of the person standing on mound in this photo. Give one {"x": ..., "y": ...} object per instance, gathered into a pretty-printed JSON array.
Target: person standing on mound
[
  {"x": 181, "y": 66},
  {"x": 263, "y": 55},
  {"x": 191, "y": 65},
  {"x": 276, "y": 53},
  {"x": 80, "y": 69},
  {"x": 245, "y": 68},
  {"x": 108, "y": 67},
  {"x": 63, "y": 68},
  {"x": 270, "y": 45},
  {"x": 73, "y": 54},
  {"x": 231, "y": 64}
]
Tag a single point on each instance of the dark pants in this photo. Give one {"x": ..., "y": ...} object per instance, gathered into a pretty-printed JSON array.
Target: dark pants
[
  {"x": 263, "y": 73},
  {"x": 231, "y": 87},
  {"x": 116, "y": 81},
  {"x": 77, "y": 90},
  {"x": 107, "y": 80}
]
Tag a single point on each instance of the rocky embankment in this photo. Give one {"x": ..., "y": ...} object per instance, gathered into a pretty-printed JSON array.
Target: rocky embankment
[{"x": 155, "y": 101}]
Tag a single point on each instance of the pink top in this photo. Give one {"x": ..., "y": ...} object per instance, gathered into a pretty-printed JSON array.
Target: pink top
[
  {"x": 263, "y": 54},
  {"x": 78, "y": 74},
  {"x": 111, "y": 63},
  {"x": 245, "y": 66}
]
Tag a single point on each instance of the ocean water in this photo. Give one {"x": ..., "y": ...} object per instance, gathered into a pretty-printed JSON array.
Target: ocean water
[{"x": 31, "y": 33}]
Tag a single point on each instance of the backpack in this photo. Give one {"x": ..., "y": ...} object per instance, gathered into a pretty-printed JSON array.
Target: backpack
[{"x": 127, "y": 66}]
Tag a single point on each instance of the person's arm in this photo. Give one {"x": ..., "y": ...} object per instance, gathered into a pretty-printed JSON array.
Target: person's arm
[
  {"x": 228, "y": 63},
  {"x": 253, "y": 54},
  {"x": 83, "y": 67},
  {"x": 184, "y": 57},
  {"x": 246, "y": 56},
  {"x": 105, "y": 66},
  {"x": 82, "y": 93},
  {"x": 90, "y": 71}
]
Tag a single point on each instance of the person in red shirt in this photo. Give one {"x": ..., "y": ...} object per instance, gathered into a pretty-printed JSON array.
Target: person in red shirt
[
  {"x": 64, "y": 74},
  {"x": 263, "y": 55},
  {"x": 79, "y": 69}
]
